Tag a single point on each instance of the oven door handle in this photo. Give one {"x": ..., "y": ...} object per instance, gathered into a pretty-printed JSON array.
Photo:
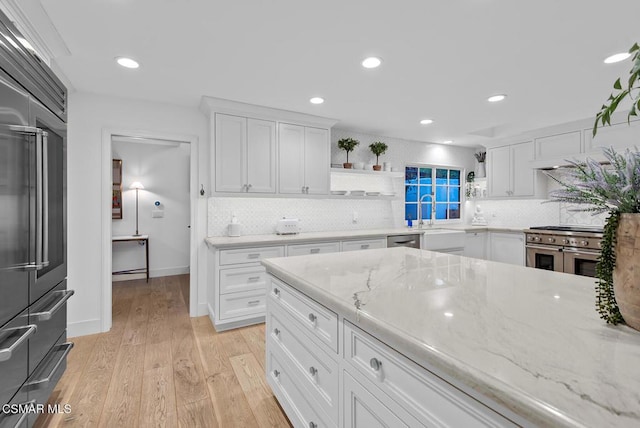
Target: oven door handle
[
  {"x": 544, "y": 247},
  {"x": 585, "y": 252}
]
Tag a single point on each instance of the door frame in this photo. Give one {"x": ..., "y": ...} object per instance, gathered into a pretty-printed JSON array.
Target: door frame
[{"x": 192, "y": 140}]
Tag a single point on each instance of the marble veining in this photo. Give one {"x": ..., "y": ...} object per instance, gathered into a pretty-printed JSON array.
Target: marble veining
[{"x": 527, "y": 339}]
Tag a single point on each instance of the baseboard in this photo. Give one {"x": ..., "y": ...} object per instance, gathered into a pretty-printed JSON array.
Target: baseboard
[
  {"x": 128, "y": 277},
  {"x": 84, "y": 328},
  {"x": 202, "y": 309},
  {"x": 211, "y": 313},
  {"x": 153, "y": 273}
]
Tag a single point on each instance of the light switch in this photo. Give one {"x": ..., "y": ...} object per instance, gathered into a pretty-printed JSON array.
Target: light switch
[{"x": 157, "y": 213}]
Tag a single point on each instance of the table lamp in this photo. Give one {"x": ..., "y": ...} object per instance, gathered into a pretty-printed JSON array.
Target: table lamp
[{"x": 136, "y": 185}]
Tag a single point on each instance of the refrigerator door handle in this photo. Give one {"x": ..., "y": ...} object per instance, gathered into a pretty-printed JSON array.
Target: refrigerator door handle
[
  {"x": 45, "y": 199},
  {"x": 39, "y": 198}
]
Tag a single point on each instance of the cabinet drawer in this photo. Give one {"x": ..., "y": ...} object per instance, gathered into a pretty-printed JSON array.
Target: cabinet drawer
[
  {"x": 302, "y": 410},
  {"x": 315, "y": 369},
  {"x": 313, "y": 317},
  {"x": 430, "y": 398},
  {"x": 234, "y": 280},
  {"x": 249, "y": 255},
  {"x": 319, "y": 248},
  {"x": 242, "y": 304},
  {"x": 365, "y": 244}
]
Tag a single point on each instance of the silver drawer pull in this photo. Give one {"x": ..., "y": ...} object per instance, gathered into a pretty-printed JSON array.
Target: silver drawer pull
[
  {"x": 253, "y": 278},
  {"x": 42, "y": 382},
  {"x": 313, "y": 318},
  {"x": 313, "y": 425},
  {"x": 46, "y": 315},
  {"x": 375, "y": 364},
  {"x": 313, "y": 371},
  {"x": 276, "y": 373},
  {"x": 253, "y": 302},
  {"x": 5, "y": 353},
  {"x": 276, "y": 292},
  {"x": 314, "y": 250},
  {"x": 276, "y": 331},
  {"x": 253, "y": 256},
  {"x": 364, "y": 246}
]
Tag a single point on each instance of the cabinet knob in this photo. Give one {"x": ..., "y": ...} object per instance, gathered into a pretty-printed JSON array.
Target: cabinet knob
[
  {"x": 313, "y": 371},
  {"x": 312, "y": 318},
  {"x": 313, "y": 425},
  {"x": 276, "y": 373},
  {"x": 276, "y": 331},
  {"x": 276, "y": 291},
  {"x": 307, "y": 189},
  {"x": 584, "y": 243},
  {"x": 302, "y": 189},
  {"x": 249, "y": 186},
  {"x": 375, "y": 364}
]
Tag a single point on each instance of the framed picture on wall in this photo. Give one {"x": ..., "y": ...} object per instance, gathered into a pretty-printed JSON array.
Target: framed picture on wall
[{"x": 116, "y": 197}]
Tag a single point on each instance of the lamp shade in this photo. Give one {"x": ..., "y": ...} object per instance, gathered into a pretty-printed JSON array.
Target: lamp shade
[{"x": 136, "y": 185}]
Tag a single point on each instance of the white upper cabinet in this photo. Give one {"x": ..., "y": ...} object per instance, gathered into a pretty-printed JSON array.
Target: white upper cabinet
[
  {"x": 304, "y": 159},
  {"x": 258, "y": 149},
  {"x": 245, "y": 152},
  {"x": 510, "y": 173}
]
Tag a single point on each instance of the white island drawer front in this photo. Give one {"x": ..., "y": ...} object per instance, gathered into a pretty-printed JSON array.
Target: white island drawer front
[
  {"x": 242, "y": 304},
  {"x": 315, "y": 318},
  {"x": 319, "y": 248},
  {"x": 301, "y": 411},
  {"x": 364, "y": 244},
  {"x": 242, "y": 279},
  {"x": 432, "y": 400},
  {"x": 249, "y": 255},
  {"x": 317, "y": 370}
]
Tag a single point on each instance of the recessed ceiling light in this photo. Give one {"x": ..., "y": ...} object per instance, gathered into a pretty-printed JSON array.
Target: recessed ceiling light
[
  {"x": 426, "y": 121},
  {"x": 496, "y": 98},
  {"x": 617, "y": 57},
  {"x": 127, "y": 62},
  {"x": 448, "y": 314},
  {"x": 371, "y": 62},
  {"x": 447, "y": 142},
  {"x": 316, "y": 100}
]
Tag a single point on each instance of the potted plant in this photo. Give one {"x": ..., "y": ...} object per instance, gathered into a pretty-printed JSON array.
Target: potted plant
[
  {"x": 614, "y": 189},
  {"x": 378, "y": 148},
  {"x": 347, "y": 144},
  {"x": 481, "y": 157}
]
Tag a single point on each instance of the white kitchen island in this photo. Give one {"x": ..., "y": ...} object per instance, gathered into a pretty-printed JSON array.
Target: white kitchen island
[{"x": 404, "y": 337}]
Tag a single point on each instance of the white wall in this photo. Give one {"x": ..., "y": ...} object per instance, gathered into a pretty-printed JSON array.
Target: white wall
[
  {"x": 164, "y": 172},
  {"x": 89, "y": 115}
]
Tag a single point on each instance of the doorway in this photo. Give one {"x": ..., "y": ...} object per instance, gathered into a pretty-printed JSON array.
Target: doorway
[{"x": 157, "y": 208}]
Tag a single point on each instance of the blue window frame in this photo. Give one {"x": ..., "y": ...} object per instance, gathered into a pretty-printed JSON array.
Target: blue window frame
[{"x": 443, "y": 183}]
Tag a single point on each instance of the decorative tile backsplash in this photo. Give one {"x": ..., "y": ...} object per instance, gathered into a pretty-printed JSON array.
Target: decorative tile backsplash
[{"x": 519, "y": 212}]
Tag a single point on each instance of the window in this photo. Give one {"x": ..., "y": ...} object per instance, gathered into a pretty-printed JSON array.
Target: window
[{"x": 443, "y": 184}]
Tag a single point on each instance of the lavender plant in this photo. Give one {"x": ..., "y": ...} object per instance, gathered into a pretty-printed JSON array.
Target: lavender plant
[{"x": 615, "y": 188}]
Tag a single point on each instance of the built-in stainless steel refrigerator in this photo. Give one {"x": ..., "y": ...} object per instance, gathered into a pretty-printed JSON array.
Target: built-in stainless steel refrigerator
[{"x": 33, "y": 257}]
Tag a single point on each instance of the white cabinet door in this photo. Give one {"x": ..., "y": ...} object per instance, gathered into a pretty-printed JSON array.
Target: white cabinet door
[
  {"x": 364, "y": 410},
  {"x": 317, "y": 161},
  {"x": 522, "y": 175},
  {"x": 499, "y": 165},
  {"x": 230, "y": 146},
  {"x": 291, "y": 158},
  {"x": 475, "y": 245},
  {"x": 261, "y": 156},
  {"x": 507, "y": 248}
]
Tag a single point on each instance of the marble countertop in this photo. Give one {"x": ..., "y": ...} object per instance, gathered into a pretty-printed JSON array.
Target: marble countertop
[
  {"x": 528, "y": 339},
  {"x": 270, "y": 239},
  {"x": 273, "y": 239}
]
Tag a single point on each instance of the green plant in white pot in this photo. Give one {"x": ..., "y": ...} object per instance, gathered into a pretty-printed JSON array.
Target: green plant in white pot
[
  {"x": 613, "y": 188},
  {"x": 347, "y": 144}
]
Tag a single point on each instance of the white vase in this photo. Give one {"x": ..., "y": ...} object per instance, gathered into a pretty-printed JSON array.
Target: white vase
[{"x": 481, "y": 170}]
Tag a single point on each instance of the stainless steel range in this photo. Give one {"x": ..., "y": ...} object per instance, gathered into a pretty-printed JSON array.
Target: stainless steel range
[{"x": 570, "y": 249}]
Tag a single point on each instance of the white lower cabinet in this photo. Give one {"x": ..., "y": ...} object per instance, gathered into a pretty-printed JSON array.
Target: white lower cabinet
[
  {"x": 506, "y": 247},
  {"x": 364, "y": 244},
  {"x": 475, "y": 245},
  {"x": 315, "y": 248},
  {"x": 360, "y": 383}
]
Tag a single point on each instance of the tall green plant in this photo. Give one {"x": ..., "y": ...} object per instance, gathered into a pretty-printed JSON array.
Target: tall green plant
[
  {"x": 378, "y": 148},
  {"x": 631, "y": 90}
]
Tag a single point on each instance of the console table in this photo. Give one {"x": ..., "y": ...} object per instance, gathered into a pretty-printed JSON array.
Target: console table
[{"x": 142, "y": 240}]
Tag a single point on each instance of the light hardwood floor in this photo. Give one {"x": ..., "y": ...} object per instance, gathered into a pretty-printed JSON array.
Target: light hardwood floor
[{"x": 159, "y": 368}]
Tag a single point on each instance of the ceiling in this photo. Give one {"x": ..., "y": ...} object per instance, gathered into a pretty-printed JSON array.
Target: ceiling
[{"x": 441, "y": 59}]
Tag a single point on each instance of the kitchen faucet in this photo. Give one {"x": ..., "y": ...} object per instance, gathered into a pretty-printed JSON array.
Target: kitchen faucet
[{"x": 433, "y": 210}]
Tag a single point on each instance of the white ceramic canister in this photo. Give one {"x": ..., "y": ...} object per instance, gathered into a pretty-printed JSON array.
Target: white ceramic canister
[{"x": 234, "y": 228}]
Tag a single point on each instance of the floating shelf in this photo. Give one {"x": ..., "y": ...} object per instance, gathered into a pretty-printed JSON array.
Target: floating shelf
[{"x": 391, "y": 174}]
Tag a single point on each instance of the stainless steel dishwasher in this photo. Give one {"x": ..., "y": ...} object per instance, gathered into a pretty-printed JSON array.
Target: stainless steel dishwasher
[{"x": 412, "y": 241}]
